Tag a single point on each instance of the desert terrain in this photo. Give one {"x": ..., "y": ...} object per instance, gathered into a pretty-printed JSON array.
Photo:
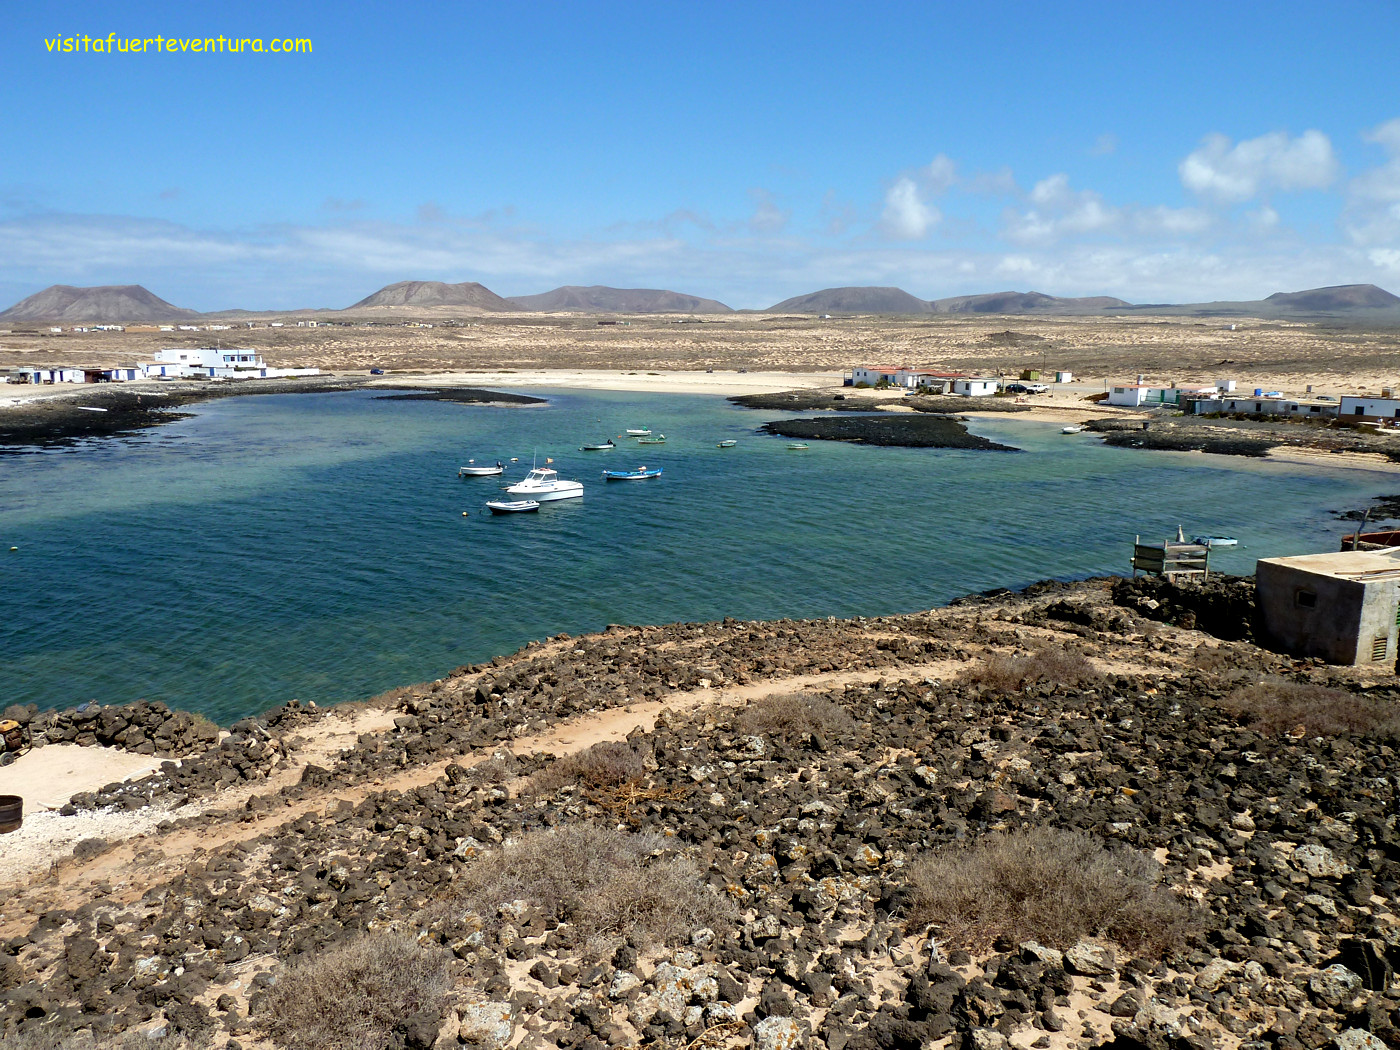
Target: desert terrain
[{"x": 1282, "y": 355}]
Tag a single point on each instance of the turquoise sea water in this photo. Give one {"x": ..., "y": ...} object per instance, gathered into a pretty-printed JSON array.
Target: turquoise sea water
[{"x": 313, "y": 546}]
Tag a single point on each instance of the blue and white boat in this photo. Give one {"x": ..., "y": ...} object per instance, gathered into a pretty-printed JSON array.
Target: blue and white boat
[
  {"x": 512, "y": 506},
  {"x": 640, "y": 474}
]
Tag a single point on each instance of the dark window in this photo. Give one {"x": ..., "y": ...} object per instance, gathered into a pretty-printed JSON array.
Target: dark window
[
  {"x": 1306, "y": 599},
  {"x": 1360, "y": 411}
]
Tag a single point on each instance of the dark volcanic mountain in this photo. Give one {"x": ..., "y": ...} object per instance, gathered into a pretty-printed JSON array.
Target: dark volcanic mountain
[
  {"x": 1347, "y": 301},
  {"x": 106, "y": 304},
  {"x": 1023, "y": 303},
  {"x": 600, "y": 299},
  {"x": 853, "y": 301},
  {"x": 437, "y": 293},
  {"x": 1337, "y": 297}
]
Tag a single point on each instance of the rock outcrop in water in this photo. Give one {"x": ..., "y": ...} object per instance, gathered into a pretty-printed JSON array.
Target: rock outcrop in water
[{"x": 784, "y": 783}]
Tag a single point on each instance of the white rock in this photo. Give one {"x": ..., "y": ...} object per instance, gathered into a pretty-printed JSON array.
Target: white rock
[
  {"x": 1319, "y": 861},
  {"x": 1213, "y": 975},
  {"x": 623, "y": 982},
  {"x": 1358, "y": 1039},
  {"x": 486, "y": 1025},
  {"x": 1090, "y": 959},
  {"x": 778, "y": 1033}
]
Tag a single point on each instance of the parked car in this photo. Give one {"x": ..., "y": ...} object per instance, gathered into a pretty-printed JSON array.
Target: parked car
[
  {"x": 1016, "y": 388},
  {"x": 376, "y": 371},
  {"x": 1036, "y": 388}
]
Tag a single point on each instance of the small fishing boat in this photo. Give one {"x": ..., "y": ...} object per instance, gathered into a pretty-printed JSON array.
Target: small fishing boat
[
  {"x": 598, "y": 448},
  {"x": 1215, "y": 541},
  {"x": 660, "y": 439},
  {"x": 512, "y": 506},
  {"x": 730, "y": 443},
  {"x": 1073, "y": 428},
  {"x": 798, "y": 445},
  {"x": 639, "y": 432},
  {"x": 639, "y": 474},
  {"x": 470, "y": 471},
  {"x": 544, "y": 483}
]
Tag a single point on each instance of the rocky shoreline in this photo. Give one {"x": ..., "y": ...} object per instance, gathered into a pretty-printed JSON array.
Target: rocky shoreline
[
  {"x": 1239, "y": 437},
  {"x": 763, "y": 824},
  {"x": 113, "y": 409},
  {"x": 886, "y": 429}
]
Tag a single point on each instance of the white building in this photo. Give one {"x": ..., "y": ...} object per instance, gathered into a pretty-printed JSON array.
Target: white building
[
  {"x": 975, "y": 386},
  {"x": 873, "y": 375},
  {"x": 1293, "y": 407},
  {"x": 1371, "y": 408},
  {"x": 1135, "y": 395},
  {"x": 216, "y": 363}
]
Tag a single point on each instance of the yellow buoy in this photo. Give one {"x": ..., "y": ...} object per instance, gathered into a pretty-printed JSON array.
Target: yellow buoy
[{"x": 464, "y": 514}]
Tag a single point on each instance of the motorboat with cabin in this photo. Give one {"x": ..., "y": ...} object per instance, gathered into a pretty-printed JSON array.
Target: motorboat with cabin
[{"x": 544, "y": 484}]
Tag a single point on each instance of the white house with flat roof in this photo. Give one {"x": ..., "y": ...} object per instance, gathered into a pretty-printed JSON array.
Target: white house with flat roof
[
  {"x": 216, "y": 363},
  {"x": 1339, "y": 606},
  {"x": 1371, "y": 408},
  {"x": 975, "y": 386}
]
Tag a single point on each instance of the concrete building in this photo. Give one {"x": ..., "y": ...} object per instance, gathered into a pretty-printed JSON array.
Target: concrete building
[
  {"x": 1293, "y": 407},
  {"x": 216, "y": 363},
  {"x": 1371, "y": 408},
  {"x": 975, "y": 386},
  {"x": 1341, "y": 606},
  {"x": 873, "y": 374}
]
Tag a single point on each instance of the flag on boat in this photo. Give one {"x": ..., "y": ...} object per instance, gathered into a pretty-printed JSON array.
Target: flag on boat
[{"x": 548, "y": 461}]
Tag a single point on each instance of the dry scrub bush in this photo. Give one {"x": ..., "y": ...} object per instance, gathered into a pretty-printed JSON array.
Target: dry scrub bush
[
  {"x": 1064, "y": 668},
  {"x": 351, "y": 997},
  {"x": 1047, "y": 885},
  {"x": 604, "y": 765},
  {"x": 789, "y": 715},
  {"x": 1278, "y": 706},
  {"x": 604, "y": 883}
]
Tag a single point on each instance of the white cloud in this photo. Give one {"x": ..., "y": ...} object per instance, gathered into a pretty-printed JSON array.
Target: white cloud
[
  {"x": 1372, "y": 213},
  {"x": 767, "y": 217},
  {"x": 1059, "y": 212},
  {"x": 1232, "y": 174},
  {"x": 1104, "y": 145},
  {"x": 906, "y": 217},
  {"x": 939, "y": 175}
]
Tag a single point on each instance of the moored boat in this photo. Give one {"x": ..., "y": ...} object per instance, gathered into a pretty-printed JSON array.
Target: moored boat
[
  {"x": 639, "y": 474},
  {"x": 471, "y": 471},
  {"x": 639, "y": 432},
  {"x": 1215, "y": 541},
  {"x": 544, "y": 483},
  {"x": 728, "y": 443},
  {"x": 598, "y": 448},
  {"x": 798, "y": 445},
  {"x": 1073, "y": 428},
  {"x": 660, "y": 439},
  {"x": 512, "y": 506}
]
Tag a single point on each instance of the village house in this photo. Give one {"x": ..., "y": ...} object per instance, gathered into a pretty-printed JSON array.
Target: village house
[
  {"x": 1262, "y": 405},
  {"x": 976, "y": 386},
  {"x": 1370, "y": 408},
  {"x": 1135, "y": 395},
  {"x": 216, "y": 363}
]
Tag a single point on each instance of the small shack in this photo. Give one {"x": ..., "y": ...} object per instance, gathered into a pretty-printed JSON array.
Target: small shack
[{"x": 1341, "y": 606}]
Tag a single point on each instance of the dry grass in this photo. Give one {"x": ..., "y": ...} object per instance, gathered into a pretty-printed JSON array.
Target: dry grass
[
  {"x": 1048, "y": 885},
  {"x": 790, "y": 715},
  {"x": 351, "y": 997},
  {"x": 606, "y": 765},
  {"x": 1278, "y": 707},
  {"x": 604, "y": 883},
  {"x": 1054, "y": 666}
]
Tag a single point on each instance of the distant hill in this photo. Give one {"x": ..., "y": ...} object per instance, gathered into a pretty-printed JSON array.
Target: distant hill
[
  {"x": 600, "y": 299},
  {"x": 1354, "y": 301},
  {"x": 106, "y": 304},
  {"x": 853, "y": 301},
  {"x": 1337, "y": 297},
  {"x": 437, "y": 293},
  {"x": 1022, "y": 303}
]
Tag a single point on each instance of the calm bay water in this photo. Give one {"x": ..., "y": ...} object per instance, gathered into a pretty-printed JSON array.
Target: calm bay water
[{"x": 313, "y": 546}]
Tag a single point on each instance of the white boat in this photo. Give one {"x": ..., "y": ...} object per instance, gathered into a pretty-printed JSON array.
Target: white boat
[
  {"x": 798, "y": 445},
  {"x": 727, "y": 443},
  {"x": 1073, "y": 428},
  {"x": 515, "y": 506},
  {"x": 544, "y": 483},
  {"x": 471, "y": 471},
  {"x": 1215, "y": 541},
  {"x": 639, "y": 432}
]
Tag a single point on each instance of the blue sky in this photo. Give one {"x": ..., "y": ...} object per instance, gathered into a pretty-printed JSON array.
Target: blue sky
[{"x": 1157, "y": 152}]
